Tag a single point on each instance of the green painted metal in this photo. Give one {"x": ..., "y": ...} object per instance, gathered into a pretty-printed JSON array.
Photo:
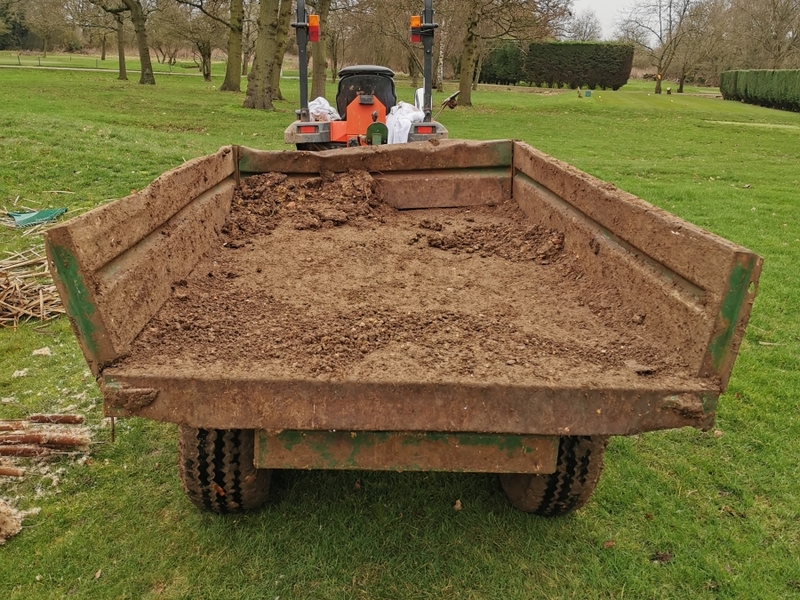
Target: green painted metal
[
  {"x": 709, "y": 403},
  {"x": 78, "y": 302},
  {"x": 738, "y": 286},
  {"x": 504, "y": 151},
  {"x": 406, "y": 451},
  {"x": 377, "y": 134}
]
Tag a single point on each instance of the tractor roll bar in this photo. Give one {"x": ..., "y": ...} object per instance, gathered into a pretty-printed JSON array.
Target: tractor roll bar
[
  {"x": 301, "y": 25},
  {"x": 427, "y": 27},
  {"x": 426, "y": 31}
]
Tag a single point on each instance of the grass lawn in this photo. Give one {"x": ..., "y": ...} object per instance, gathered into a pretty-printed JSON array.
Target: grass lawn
[{"x": 678, "y": 514}]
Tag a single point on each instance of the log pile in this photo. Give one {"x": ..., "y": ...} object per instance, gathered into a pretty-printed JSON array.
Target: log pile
[
  {"x": 40, "y": 436},
  {"x": 26, "y": 288}
]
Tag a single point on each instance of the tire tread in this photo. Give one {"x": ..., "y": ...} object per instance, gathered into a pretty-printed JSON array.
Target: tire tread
[
  {"x": 217, "y": 471},
  {"x": 578, "y": 468}
]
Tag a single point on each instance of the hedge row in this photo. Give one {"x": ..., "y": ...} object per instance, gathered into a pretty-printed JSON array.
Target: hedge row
[
  {"x": 775, "y": 89},
  {"x": 559, "y": 64}
]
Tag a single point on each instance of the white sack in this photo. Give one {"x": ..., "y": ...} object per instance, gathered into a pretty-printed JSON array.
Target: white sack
[
  {"x": 321, "y": 110},
  {"x": 399, "y": 121}
]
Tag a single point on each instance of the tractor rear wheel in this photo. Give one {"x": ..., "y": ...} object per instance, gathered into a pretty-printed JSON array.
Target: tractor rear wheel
[
  {"x": 217, "y": 470},
  {"x": 578, "y": 469}
]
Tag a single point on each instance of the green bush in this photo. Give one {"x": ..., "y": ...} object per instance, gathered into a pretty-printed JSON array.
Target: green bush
[
  {"x": 774, "y": 89},
  {"x": 579, "y": 64},
  {"x": 504, "y": 65},
  {"x": 559, "y": 64}
]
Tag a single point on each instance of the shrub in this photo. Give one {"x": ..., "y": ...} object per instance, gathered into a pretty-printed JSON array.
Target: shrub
[{"x": 774, "y": 89}]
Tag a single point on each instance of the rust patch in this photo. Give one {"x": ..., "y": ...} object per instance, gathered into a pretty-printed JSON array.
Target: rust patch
[
  {"x": 131, "y": 399},
  {"x": 686, "y": 405}
]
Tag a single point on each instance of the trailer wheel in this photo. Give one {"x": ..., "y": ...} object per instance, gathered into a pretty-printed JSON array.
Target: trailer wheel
[
  {"x": 578, "y": 468},
  {"x": 217, "y": 471}
]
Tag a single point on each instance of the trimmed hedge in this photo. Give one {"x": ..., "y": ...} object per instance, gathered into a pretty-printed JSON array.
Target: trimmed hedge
[
  {"x": 774, "y": 89},
  {"x": 559, "y": 64},
  {"x": 504, "y": 65}
]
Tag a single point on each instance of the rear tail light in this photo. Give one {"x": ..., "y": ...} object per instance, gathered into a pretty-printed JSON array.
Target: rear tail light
[
  {"x": 425, "y": 129},
  {"x": 416, "y": 29},
  {"x": 307, "y": 129},
  {"x": 313, "y": 28}
]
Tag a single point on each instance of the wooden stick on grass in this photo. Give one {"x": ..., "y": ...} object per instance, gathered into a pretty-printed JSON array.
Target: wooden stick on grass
[
  {"x": 48, "y": 439},
  {"x": 6, "y": 471},
  {"x": 24, "y": 451},
  {"x": 58, "y": 419}
]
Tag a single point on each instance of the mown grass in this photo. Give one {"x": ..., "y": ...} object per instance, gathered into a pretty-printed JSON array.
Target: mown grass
[
  {"x": 724, "y": 506},
  {"x": 61, "y": 60}
]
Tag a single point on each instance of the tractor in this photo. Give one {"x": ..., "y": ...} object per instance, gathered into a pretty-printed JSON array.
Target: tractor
[{"x": 365, "y": 97}]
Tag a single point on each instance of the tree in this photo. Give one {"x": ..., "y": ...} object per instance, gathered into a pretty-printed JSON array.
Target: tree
[
  {"x": 584, "y": 27},
  {"x": 658, "y": 27},
  {"x": 204, "y": 33},
  {"x": 319, "y": 51},
  {"x": 260, "y": 84},
  {"x": 249, "y": 31},
  {"x": 12, "y": 23},
  {"x": 768, "y": 33},
  {"x": 46, "y": 19},
  {"x": 235, "y": 25},
  {"x": 282, "y": 38},
  {"x": 165, "y": 31},
  {"x": 138, "y": 16},
  {"x": 94, "y": 22},
  {"x": 703, "y": 44},
  {"x": 494, "y": 19}
]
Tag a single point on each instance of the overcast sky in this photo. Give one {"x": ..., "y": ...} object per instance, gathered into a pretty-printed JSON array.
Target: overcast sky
[{"x": 608, "y": 11}]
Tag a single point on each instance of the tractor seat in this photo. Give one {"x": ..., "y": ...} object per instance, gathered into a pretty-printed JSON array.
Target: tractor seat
[{"x": 365, "y": 79}]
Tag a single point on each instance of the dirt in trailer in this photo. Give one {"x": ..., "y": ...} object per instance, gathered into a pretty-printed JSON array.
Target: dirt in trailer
[{"x": 322, "y": 279}]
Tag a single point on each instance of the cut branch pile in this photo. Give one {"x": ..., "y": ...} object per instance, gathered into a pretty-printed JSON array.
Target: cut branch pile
[
  {"x": 26, "y": 289},
  {"x": 40, "y": 436}
]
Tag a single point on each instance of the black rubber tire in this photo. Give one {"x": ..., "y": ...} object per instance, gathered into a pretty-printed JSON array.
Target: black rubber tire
[
  {"x": 578, "y": 469},
  {"x": 217, "y": 471}
]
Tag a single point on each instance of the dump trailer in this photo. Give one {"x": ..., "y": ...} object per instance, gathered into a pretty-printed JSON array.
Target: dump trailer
[{"x": 449, "y": 305}]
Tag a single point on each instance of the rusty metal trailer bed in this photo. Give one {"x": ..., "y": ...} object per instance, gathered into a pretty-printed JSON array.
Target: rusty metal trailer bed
[{"x": 688, "y": 292}]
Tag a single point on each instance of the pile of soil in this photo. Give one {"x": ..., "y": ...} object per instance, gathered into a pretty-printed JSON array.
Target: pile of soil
[
  {"x": 320, "y": 278},
  {"x": 333, "y": 200},
  {"x": 264, "y": 201},
  {"x": 512, "y": 241}
]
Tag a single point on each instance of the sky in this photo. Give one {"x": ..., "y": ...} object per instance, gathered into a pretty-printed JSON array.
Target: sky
[{"x": 608, "y": 11}]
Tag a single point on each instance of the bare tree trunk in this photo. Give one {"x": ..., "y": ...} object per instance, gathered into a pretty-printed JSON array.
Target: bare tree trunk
[
  {"x": 123, "y": 71},
  {"x": 204, "y": 49},
  {"x": 284, "y": 22},
  {"x": 259, "y": 81},
  {"x": 658, "y": 83},
  {"x": 233, "y": 70},
  {"x": 245, "y": 62},
  {"x": 318, "y": 51},
  {"x": 44, "y": 47},
  {"x": 468, "y": 56},
  {"x": 139, "y": 21},
  {"x": 103, "y": 47},
  {"x": 479, "y": 56}
]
